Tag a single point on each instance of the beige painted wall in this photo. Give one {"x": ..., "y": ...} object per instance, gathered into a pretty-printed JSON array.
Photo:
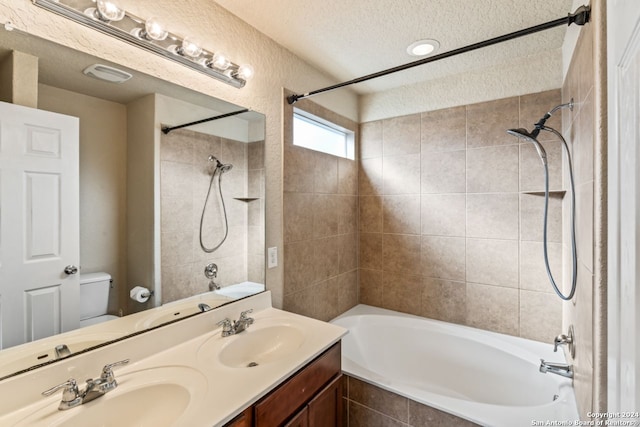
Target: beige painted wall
[
  {"x": 275, "y": 68},
  {"x": 103, "y": 181}
]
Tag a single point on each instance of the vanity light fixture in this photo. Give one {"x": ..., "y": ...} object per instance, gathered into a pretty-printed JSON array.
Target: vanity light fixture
[{"x": 109, "y": 18}]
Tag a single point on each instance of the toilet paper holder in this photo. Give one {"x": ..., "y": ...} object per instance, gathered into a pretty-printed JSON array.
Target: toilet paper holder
[{"x": 141, "y": 294}]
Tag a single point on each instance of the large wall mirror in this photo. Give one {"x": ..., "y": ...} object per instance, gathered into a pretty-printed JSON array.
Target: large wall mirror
[{"x": 135, "y": 228}]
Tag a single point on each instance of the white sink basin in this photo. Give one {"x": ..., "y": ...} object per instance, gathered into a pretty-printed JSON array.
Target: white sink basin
[
  {"x": 139, "y": 400},
  {"x": 258, "y": 346}
]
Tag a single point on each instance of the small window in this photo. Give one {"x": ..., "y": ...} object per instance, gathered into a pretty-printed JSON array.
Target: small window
[{"x": 317, "y": 134}]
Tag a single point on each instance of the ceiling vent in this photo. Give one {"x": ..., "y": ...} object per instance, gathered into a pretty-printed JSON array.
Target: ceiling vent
[{"x": 106, "y": 73}]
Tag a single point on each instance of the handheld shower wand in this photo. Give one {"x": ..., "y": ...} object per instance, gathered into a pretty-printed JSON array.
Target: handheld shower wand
[{"x": 532, "y": 138}]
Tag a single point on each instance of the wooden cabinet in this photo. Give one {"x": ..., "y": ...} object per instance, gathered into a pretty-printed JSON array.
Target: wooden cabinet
[{"x": 312, "y": 397}]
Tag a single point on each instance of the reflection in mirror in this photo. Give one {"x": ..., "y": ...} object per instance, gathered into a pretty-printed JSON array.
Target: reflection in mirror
[{"x": 134, "y": 217}]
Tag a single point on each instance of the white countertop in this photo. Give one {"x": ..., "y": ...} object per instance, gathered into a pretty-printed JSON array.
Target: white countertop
[{"x": 188, "y": 348}]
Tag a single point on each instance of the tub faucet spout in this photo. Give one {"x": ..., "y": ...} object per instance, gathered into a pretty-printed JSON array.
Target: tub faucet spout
[{"x": 561, "y": 369}]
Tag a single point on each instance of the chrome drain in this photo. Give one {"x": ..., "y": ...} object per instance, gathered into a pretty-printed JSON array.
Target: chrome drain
[{"x": 252, "y": 364}]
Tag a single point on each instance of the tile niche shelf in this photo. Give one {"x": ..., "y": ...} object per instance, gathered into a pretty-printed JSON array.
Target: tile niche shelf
[
  {"x": 246, "y": 199},
  {"x": 552, "y": 193}
]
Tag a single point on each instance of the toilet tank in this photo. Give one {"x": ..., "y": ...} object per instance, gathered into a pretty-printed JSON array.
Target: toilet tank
[{"x": 94, "y": 294}]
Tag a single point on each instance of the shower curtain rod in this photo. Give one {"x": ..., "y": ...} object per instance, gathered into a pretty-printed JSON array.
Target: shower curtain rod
[
  {"x": 579, "y": 17},
  {"x": 167, "y": 129}
]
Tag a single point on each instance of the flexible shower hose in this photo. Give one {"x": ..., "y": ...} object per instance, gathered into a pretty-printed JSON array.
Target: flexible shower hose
[
  {"x": 573, "y": 222},
  {"x": 224, "y": 210}
]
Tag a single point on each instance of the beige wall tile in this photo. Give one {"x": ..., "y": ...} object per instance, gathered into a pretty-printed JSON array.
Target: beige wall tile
[
  {"x": 176, "y": 212},
  {"x": 371, "y": 140},
  {"x": 487, "y": 122},
  {"x": 383, "y": 401},
  {"x": 492, "y": 262},
  {"x": 443, "y": 215},
  {"x": 401, "y": 214},
  {"x": 493, "y": 216},
  {"x": 298, "y": 162},
  {"x": 176, "y": 248},
  {"x": 443, "y": 172},
  {"x": 347, "y": 252},
  {"x": 402, "y": 292},
  {"x": 370, "y": 287},
  {"x": 401, "y": 253},
  {"x": 233, "y": 152},
  {"x": 178, "y": 146},
  {"x": 444, "y": 300},
  {"x": 347, "y": 212},
  {"x": 532, "y": 171},
  {"x": 255, "y": 155},
  {"x": 531, "y": 218},
  {"x": 492, "y": 169},
  {"x": 347, "y": 291},
  {"x": 533, "y": 274},
  {"x": 443, "y": 257},
  {"x": 370, "y": 214},
  {"x": 325, "y": 173},
  {"x": 298, "y": 216},
  {"x": 347, "y": 176},
  {"x": 176, "y": 179},
  {"x": 326, "y": 255},
  {"x": 325, "y": 215},
  {"x": 203, "y": 147},
  {"x": 423, "y": 415},
  {"x": 401, "y": 174},
  {"x": 540, "y": 316},
  {"x": 534, "y": 106},
  {"x": 361, "y": 416},
  {"x": 370, "y": 251},
  {"x": 299, "y": 265},
  {"x": 326, "y": 299},
  {"x": 301, "y": 302},
  {"x": 444, "y": 130},
  {"x": 401, "y": 135},
  {"x": 493, "y": 308},
  {"x": 584, "y": 224},
  {"x": 370, "y": 177}
]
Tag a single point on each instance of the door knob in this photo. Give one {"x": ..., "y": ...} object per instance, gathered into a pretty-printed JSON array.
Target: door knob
[{"x": 70, "y": 269}]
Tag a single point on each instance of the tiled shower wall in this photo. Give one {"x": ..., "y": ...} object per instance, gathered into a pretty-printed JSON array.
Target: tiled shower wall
[
  {"x": 450, "y": 213},
  {"x": 584, "y": 132},
  {"x": 320, "y": 224},
  {"x": 185, "y": 174}
]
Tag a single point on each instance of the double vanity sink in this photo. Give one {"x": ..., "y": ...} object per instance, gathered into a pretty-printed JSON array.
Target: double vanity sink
[{"x": 206, "y": 379}]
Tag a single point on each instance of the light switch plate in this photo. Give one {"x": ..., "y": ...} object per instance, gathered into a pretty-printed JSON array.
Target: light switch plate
[{"x": 272, "y": 255}]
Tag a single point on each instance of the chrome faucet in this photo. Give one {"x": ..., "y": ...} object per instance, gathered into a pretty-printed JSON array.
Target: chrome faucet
[
  {"x": 568, "y": 340},
  {"x": 561, "y": 369},
  {"x": 237, "y": 326},
  {"x": 72, "y": 396},
  {"x": 211, "y": 273}
]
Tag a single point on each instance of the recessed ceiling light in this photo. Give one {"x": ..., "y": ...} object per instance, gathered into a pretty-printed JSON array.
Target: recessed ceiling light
[{"x": 423, "y": 47}]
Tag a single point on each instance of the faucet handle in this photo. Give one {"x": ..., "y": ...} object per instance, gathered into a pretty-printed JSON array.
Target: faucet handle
[
  {"x": 70, "y": 395},
  {"x": 227, "y": 327},
  {"x": 243, "y": 315},
  {"x": 107, "y": 374}
]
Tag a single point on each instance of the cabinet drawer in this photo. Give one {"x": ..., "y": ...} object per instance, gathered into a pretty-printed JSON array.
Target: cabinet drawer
[
  {"x": 245, "y": 419},
  {"x": 287, "y": 399}
]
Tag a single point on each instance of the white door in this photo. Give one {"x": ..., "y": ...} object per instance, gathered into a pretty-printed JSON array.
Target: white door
[
  {"x": 623, "y": 45},
  {"x": 39, "y": 224}
]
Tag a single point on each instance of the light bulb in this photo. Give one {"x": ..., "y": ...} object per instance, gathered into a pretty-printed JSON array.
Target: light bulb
[
  {"x": 190, "y": 48},
  {"x": 109, "y": 11},
  {"x": 245, "y": 72},
  {"x": 220, "y": 61},
  {"x": 154, "y": 29}
]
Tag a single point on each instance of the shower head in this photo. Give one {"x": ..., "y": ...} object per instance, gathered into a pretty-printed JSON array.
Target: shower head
[
  {"x": 525, "y": 135},
  {"x": 219, "y": 165},
  {"x": 225, "y": 168}
]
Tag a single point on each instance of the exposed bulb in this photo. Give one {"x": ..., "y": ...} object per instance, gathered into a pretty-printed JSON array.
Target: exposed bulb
[
  {"x": 245, "y": 72},
  {"x": 220, "y": 61},
  {"x": 109, "y": 11},
  {"x": 154, "y": 29},
  {"x": 190, "y": 48}
]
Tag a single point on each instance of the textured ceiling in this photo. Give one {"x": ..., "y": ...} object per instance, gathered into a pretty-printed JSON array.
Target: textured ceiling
[{"x": 349, "y": 39}]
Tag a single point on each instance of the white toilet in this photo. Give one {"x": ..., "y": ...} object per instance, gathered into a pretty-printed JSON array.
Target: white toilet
[{"x": 94, "y": 298}]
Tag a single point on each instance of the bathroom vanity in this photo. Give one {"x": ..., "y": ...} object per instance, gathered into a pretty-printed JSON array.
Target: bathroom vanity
[{"x": 284, "y": 369}]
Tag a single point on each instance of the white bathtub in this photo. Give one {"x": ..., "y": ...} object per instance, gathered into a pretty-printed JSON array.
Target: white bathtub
[{"x": 488, "y": 378}]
